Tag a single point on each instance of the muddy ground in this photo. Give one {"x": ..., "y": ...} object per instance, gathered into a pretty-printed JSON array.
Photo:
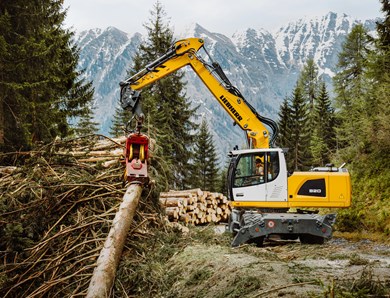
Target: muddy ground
[{"x": 339, "y": 268}]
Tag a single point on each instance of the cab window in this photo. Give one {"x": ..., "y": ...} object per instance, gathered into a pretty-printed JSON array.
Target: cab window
[
  {"x": 250, "y": 170},
  {"x": 256, "y": 168}
]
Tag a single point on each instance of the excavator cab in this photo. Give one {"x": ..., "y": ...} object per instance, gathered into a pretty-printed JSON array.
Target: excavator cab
[{"x": 257, "y": 175}]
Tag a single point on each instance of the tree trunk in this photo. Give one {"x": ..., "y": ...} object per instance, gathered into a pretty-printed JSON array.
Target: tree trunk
[
  {"x": 1, "y": 121},
  {"x": 104, "y": 274}
]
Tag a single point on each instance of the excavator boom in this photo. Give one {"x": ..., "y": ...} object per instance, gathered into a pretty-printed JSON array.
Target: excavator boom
[{"x": 185, "y": 53}]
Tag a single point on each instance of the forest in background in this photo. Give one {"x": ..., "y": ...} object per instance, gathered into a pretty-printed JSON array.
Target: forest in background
[
  {"x": 55, "y": 211},
  {"x": 42, "y": 97}
]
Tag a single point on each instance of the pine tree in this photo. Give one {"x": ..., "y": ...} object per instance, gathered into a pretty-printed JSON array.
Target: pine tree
[
  {"x": 120, "y": 121},
  {"x": 167, "y": 110},
  {"x": 308, "y": 80},
  {"x": 323, "y": 136},
  {"x": 299, "y": 137},
  {"x": 285, "y": 124},
  {"x": 86, "y": 124},
  {"x": 205, "y": 160},
  {"x": 38, "y": 63},
  {"x": 351, "y": 88}
]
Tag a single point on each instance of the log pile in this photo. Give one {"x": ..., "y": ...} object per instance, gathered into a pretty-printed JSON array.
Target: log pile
[{"x": 195, "y": 206}]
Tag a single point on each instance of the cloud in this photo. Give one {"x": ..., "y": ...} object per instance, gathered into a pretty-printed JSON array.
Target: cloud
[{"x": 223, "y": 16}]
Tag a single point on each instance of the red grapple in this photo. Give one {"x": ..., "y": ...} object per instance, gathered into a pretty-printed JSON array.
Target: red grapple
[{"x": 136, "y": 155}]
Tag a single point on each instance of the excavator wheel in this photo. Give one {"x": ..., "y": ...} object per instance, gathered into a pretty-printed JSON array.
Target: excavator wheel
[{"x": 258, "y": 241}]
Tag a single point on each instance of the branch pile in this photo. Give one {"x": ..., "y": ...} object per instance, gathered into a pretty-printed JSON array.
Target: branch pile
[
  {"x": 195, "y": 206},
  {"x": 56, "y": 208}
]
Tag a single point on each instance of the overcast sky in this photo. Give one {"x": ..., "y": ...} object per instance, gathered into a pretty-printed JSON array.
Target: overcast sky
[{"x": 222, "y": 16}]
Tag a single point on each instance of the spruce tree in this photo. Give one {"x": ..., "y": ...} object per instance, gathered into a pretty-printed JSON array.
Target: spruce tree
[
  {"x": 83, "y": 91},
  {"x": 38, "y": 71},
  {"x": 167, "y": 110},
  {"x": 323, "y": 136},
  {"x": 86, "y": 124},
  {"x": 308, "y": 81},
  {"x": 285, "y": 124},
  {"x": 351, "y": 88},
  {"x": 299, "y": 137},
  {"x": 205, "y": 160},
  {"x": 120, "y": 121}
]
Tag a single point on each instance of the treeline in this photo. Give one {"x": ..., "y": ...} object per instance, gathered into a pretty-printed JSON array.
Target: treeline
[
  {"x": 43, "y": 95},
  {"x": 354, "y": 128}
]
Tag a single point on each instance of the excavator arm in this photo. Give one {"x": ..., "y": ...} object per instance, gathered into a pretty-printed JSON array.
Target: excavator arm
[{"x": 183, "y": 53}]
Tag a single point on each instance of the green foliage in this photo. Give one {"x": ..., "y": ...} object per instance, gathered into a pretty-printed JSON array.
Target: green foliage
[
  {"x": 121, "y": 118},
  {"x": 308, "y": 80},
  {"x": 352, "y": 89},
  {"x": 205, "y": 172},
  {"x": 39, "y": 86},
  {"x": 306, "y": 122},
  {"x": 299, "y": 133},
  {"x": 167, "y": 110},
  {"x": 285, "y": 124},
  {"x": 323, "y": 135},
  {"x": 363, "y": 133}
]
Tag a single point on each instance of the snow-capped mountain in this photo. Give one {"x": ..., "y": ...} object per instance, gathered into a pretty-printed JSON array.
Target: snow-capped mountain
[{"x": 263, "y": 65}]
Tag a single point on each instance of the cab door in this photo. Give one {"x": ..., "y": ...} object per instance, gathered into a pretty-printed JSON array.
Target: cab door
[
  {"x": 246, "y": 183},
  {"x": 250, "y": 185}
]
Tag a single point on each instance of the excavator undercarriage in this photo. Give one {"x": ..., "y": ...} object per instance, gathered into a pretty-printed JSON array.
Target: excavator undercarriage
[{"x": 252, "y": 226}]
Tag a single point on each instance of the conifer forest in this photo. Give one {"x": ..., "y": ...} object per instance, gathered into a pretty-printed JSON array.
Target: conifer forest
[{"x": 61, "y": 182}]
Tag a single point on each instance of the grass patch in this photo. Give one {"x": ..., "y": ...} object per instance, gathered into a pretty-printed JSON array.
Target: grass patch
[
  {"x": 356, "y": 260},
  {"x": 366, "y": 285},
  {"x": 198, "y": 276},
  {"x": 242, "y": 285}
]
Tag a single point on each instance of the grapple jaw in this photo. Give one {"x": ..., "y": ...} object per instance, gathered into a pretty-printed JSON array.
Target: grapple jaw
[{"x": 136, "y": 156}]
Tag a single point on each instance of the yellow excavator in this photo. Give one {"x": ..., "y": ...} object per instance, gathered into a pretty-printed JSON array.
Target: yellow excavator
[{"x": 266, "y": 200}]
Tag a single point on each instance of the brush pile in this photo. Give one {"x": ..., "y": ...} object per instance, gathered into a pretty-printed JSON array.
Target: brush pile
[{"x": 56, "y": 207}]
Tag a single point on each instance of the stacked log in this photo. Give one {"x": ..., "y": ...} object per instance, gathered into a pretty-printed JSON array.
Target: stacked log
[{"x": 195, "y": 206}]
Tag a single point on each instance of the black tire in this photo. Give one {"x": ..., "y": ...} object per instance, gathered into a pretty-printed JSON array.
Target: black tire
[
  {"x": 258, "y": 241},
  {"x": 289, "y": 236},
  {"x": 311, "y": 239}
]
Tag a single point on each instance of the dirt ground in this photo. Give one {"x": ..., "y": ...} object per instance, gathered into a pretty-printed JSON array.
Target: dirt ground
[{"x": 339, "y": 268}]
